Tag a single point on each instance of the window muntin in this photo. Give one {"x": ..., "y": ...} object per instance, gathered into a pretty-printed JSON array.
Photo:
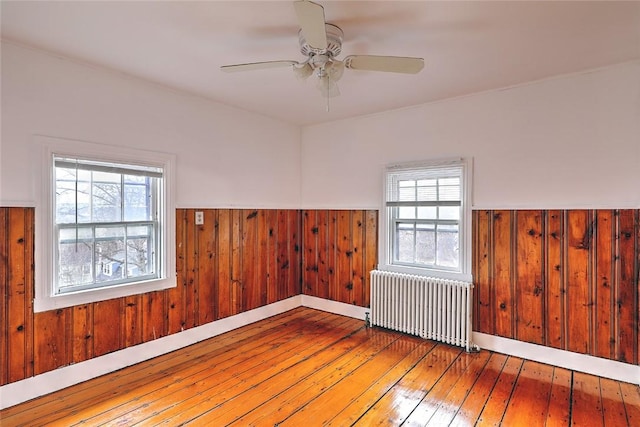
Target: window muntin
[
  {"x": 426, "y": 219},
  {"x": 106, "y": 224}
]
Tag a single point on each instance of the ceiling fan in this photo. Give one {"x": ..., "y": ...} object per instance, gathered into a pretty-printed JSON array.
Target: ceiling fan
[{"x": 321, "y": 43}]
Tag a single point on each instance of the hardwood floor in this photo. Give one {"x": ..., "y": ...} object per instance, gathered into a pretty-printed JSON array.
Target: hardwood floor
[{"x": 307, "y": 367}]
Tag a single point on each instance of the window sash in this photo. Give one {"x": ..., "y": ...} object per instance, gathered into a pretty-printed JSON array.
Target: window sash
[
  {"x": 395, "y": 175},
  {"x": 155, "y": 175},
  {"x": 152, "y": 253},
  {"x": 437, "y": 230},
  {"x": 96, "y": 166}
]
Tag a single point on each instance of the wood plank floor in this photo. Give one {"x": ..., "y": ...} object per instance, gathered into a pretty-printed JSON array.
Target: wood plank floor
[{"x": 307, "y": 367}]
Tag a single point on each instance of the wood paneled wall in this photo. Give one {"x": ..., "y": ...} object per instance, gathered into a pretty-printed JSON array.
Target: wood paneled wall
[
  {"x": 566, "y": 279},
  {"x": 563, "y": 279},
  {"x": 238, "y": 260},
  {"x": 340, "y": 248}
]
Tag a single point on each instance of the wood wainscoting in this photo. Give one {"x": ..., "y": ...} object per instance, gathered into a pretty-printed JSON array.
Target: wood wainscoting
[
  {"x": 306, "y": 367},
  {"x": 237, "y": 261},
  {"x": 563, "y": 279},
  {"x": 567, "y": 279},
  {"x": 340, "y": 248}
]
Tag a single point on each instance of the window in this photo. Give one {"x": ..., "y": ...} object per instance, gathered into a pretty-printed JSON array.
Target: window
[
  {"x": 107, "y": 226},
  {"x": 427, "y": 219},
  {"x": 106, "y": 223}
]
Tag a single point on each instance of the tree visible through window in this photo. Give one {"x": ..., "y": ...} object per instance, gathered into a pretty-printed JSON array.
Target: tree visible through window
[
  {"x": 106, "y": 220},
  {"x": 425, "y": 216}
]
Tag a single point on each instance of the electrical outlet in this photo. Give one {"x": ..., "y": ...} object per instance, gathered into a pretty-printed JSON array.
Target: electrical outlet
[{"x": 199, "y": 218}]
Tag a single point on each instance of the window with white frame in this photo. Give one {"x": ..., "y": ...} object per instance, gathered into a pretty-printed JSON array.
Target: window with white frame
[
  {"x": 427, "y": 218},
  {"x": 106, "y": 224}
]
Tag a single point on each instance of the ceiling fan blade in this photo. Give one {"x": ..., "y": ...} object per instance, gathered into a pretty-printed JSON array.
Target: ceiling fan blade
[
  {"x": 311, "y": 20},
  {"x": 392, "y": 64},
  {"x": 257, "y": 66}
]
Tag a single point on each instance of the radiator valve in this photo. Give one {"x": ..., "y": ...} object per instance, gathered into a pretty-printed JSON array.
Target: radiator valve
[{"x": 367, "y": 321}]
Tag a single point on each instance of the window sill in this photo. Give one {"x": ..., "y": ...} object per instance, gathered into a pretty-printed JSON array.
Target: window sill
[{"x": 95, "y": 295}]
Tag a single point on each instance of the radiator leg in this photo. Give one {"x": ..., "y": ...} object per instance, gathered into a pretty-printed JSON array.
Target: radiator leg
[{"x": 474, "y": 348}]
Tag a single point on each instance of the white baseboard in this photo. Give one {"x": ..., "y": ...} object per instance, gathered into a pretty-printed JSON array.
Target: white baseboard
[
  {"x": 335, "y": 307},
  {"x": 565, "y": 359},
  {"x": 48, "y": 382}
]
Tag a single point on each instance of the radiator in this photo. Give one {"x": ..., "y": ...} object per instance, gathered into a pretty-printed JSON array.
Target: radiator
[{"x": 431, "y": 308}]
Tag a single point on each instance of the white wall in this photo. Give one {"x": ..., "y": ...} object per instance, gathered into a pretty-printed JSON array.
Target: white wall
[
  {"x": 567, "y": 142},
  {"x": 225, "y": 156}
]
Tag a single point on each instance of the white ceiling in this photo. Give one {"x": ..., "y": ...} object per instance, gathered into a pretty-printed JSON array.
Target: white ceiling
[{"x": 468, "y": 46}]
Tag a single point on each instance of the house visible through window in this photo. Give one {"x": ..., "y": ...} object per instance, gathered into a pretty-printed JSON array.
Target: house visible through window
[
  {"x": 106, "y": 223},
  {"x": 426, "y": 217}
]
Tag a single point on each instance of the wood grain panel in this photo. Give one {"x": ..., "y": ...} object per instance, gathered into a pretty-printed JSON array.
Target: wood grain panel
[
  {"x": 576, "y": 279},
  {"x": 357, "y": 256},
  {"x": 371, "y": 252},
  {"x": 205, "y": 268},
  {"x": 285, "y": 261},
  {"x": 344, "y": 252},
  {"x": 224, "y": 280},
  {"x": 628, "y": 287},
  {"x": 132, "y": 322},
  {"x": 107, "y": 329},
  {"x": 604, "y": 270},
  {"x": 261, "y": 260},
  {"x": 273, "y": 253},
  {"x": 29, "y": 260},
  {"x": 554, "y": 274},
  {"x": 19, "y": 295},
  {"x": 294, "y": 250},
  {"x": 82, "y": 333},
  {"x": 502, "y": 279},
  {"x": 483, "y": 297},
  {"x": 311, "y": 253},
  {"x": 323, "y": 254},
  {"x": 236, "y": 262},
  {"x": 529, "y": 277},
  {"x": 153, "y": 315},
  {"x": 51, "y": 340},
  {"x": 578, "y": 272},
  {"x": 340, "y": 248},
  {"x": 332, "y": 255},
  {"x": 175, "y": 295},
  {"x": 189, "y": 295},
  {"x": 250, "y": 294}
]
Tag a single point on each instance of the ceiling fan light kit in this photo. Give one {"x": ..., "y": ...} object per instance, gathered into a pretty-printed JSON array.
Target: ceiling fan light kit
[{"x": 321, "y": 43}]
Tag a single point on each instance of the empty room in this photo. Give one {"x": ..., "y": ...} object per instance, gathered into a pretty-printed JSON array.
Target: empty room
[{"x": 320, "y": 213}]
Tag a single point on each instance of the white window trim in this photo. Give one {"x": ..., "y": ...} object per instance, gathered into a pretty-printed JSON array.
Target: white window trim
[
  {"x": 384, "y": 250},
  {"x": 45, "y": 299}
]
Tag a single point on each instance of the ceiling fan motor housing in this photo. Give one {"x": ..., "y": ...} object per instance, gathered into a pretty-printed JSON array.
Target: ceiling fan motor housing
[{"x": 334, "y": 43}]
